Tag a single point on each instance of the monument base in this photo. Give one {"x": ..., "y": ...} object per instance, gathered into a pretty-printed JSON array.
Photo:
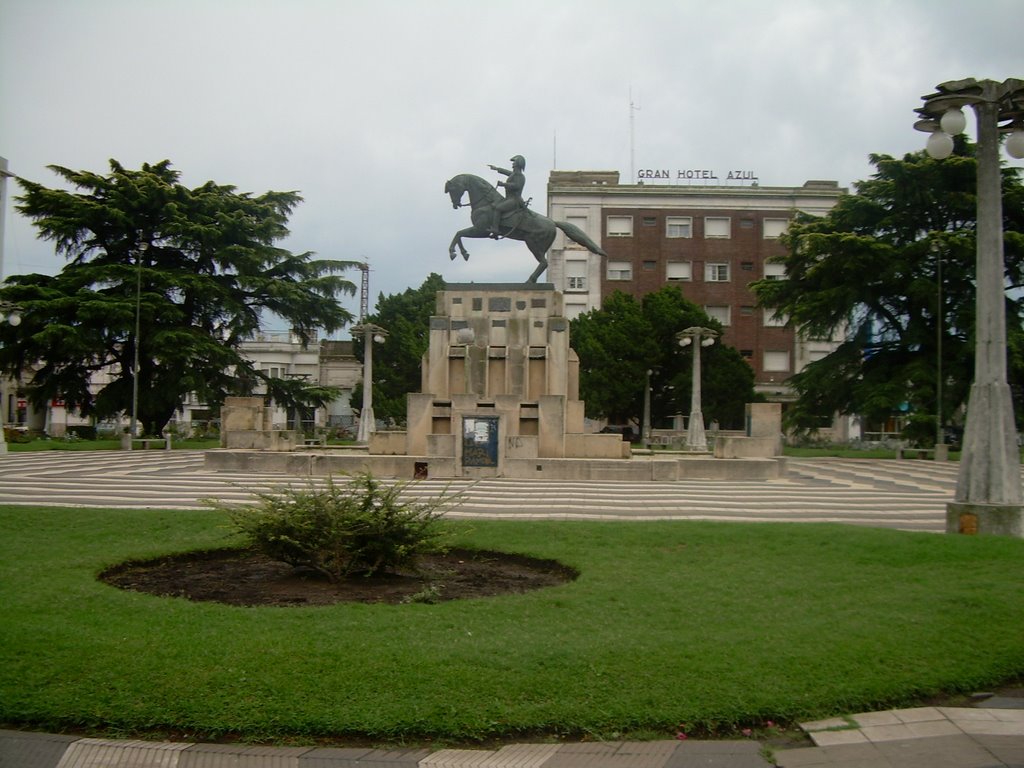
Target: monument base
[{"x": 985, "y": 519}]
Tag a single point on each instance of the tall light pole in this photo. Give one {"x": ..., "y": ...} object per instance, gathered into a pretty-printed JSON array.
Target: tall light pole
[
  {"x": 696, "y": 439},
  {"x": 645, "y": 427},
  {"x": 371, "y": 333},
  {"x": 988, "y": 492},
  {"x": 12, "y": 317},
  {"x": 133, "y": 429},
  {"x": 10, "y": 314}
]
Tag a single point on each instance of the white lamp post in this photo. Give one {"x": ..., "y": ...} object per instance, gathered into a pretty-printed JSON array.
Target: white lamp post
[
  {"x": 696, "y": 440},
  {"x": 371, "y": 334},
  {"x": 988, "y": 492},
  {"x": 13, "y": 317},
  {"x": 133, "y": 429}
]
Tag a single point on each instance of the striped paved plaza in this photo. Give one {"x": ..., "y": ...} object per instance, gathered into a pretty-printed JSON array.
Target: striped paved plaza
[{"x": 909, "y": 495}]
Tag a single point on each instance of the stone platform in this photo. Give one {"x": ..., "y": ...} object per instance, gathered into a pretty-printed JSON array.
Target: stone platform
[{"x": 656, "y": 467}]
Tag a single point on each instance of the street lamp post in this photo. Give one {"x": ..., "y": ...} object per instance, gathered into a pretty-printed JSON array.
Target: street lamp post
[
  {"x": 698, "y": 337},
  {"x": 371, "y": 333},
  {"x": 133, "y": 429},
  {"x": 12, "y": 316},
  {"x": 645, "y": 428},
  {"x": 988, "y": 491}
]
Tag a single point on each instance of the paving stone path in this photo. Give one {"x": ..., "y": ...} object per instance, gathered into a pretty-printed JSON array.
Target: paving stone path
[{"x": 909, "y": 495}]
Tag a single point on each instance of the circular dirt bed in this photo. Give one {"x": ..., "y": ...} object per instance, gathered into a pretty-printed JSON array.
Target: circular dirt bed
[{"x": 243, "y": 577}]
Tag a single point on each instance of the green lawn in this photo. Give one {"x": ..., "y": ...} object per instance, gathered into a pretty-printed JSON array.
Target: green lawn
[{"x": 713, "y": 625}]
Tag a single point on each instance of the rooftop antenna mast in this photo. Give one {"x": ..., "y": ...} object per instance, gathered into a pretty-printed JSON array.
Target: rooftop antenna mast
[
  {"x": 364, "y": 292},
  {"x": 632, "y": 162}
]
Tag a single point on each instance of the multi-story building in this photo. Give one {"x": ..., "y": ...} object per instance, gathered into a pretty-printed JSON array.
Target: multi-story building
[{"x": 711, "y": 241}]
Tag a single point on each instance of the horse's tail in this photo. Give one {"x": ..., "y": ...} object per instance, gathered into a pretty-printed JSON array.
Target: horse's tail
[{"x": 577, "y": 235}]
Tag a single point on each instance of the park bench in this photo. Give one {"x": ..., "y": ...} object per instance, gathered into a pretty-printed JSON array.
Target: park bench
[
  {"x": 941, "y": 453},
  {"x": 127, "y": 443}
]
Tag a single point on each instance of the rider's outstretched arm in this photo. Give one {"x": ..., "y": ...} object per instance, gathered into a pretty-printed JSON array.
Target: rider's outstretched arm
[{"x": 502, "y": 171}]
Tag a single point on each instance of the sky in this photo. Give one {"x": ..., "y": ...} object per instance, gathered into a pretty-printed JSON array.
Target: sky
[{"x": 367, "y": 107}]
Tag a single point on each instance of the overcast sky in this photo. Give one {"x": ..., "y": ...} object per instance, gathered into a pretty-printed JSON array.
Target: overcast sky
[{"x": 366, "y": 107}]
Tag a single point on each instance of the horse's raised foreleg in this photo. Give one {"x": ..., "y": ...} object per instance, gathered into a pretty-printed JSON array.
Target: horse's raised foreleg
[{"x": 457, "y": 241}]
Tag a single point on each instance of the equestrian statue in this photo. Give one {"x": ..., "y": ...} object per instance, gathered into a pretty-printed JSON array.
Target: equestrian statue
[{"x": 509, "y": 216}]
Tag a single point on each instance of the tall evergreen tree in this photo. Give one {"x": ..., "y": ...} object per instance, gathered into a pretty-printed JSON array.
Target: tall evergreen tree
[
  {"x": 176, "y": 278},
  {"x": 891, "y": 269}
]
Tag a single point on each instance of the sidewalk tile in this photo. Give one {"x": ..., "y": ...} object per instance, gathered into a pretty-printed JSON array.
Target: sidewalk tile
[
  {"x": 86, "y": 753},
  {"x": 931, "y": 728},
  {"x": 939, "y": 752},
  {"x": 1008, "y": 715},
  {"x": 523, "y": 755},
  {"x": 867, "y": 719},
  {"x": 855, "y": 756},
  {"x": 877, "y": 733},
  {"x": 918, "y": 714},
  {"x": 1009, "y": 749},
  {"x": 966, "y": 714},
  {"x": 456, "y": 758},
  {"x": 995, "y": 728},
  {"x": 824, "y": 725},
  {"x": 833, "y": 738},
  {"x": 32, "y": 750}
]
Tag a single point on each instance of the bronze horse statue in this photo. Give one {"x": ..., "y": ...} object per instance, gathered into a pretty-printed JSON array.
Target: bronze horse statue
[{"x": 538, "y": 232}]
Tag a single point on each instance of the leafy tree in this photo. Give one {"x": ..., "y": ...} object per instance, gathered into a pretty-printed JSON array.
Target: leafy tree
[
  {"x": 623, "y": 340},
  {"x": 397, "y": 362},
  {"x": 193, "y": 267},
  {"x": 872, "y": 270}
]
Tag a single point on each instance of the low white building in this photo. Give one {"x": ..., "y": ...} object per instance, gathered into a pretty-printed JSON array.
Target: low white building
[{"x": 276, "y": 353}]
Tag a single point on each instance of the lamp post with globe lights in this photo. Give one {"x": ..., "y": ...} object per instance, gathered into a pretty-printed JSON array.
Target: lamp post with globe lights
[
  {"x": 696, "y": 439},
  {"x": 12, "y": 316},
  {"x": 988, "y": 493}
]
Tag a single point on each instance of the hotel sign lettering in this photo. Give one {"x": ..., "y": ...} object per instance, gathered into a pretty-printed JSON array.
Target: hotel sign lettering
[{"x": 693, "y": 174}]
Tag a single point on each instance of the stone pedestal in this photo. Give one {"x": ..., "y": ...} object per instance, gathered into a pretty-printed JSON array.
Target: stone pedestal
[
  {"x": 245, "y": 423},
  {"x": 500, "y": 382},
  {"x": 985, "y": 519}
]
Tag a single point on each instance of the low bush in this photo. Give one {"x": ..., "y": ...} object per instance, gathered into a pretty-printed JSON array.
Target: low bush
[{"x": 362, "y": 526}]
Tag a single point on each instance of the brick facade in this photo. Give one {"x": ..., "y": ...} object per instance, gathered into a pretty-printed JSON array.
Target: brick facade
[{"x": 711, "y": 242}]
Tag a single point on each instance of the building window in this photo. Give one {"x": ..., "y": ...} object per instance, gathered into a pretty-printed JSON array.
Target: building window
[
  {"x": 746, "y": 310},
  {"x": 620, "y": 226},
  {"x": 774, "y": 228},
  {"x": 716, "y": 273},
  {"x": 648, "y": 266},
  {"x": 679, "y": 270},
  {"x": 746, "y": 223},
  {"x": 771, "y": 320},
  {"x": 650, "y": 221},
  {"x": 720, "y": 313},
  {"x": 581, "y": 223},
  {"x": 620, "y": 270},
  {"x": 679, "y": 226},
  {"x": 573, "y": 311},
  {"x": 575, "y": 275},
  {"x": 774, "y": 271},
  {"x": 717, "y": 226},
  {"x": 747, "y": 266},
  {"x": 776, "y": 361}
]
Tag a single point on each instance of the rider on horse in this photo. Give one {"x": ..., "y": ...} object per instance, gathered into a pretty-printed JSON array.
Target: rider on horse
[{"x": 513, "y": 185}]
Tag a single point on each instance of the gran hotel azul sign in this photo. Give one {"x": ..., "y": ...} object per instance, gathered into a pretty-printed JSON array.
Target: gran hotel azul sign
[{"x": 693, "y": 174}]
